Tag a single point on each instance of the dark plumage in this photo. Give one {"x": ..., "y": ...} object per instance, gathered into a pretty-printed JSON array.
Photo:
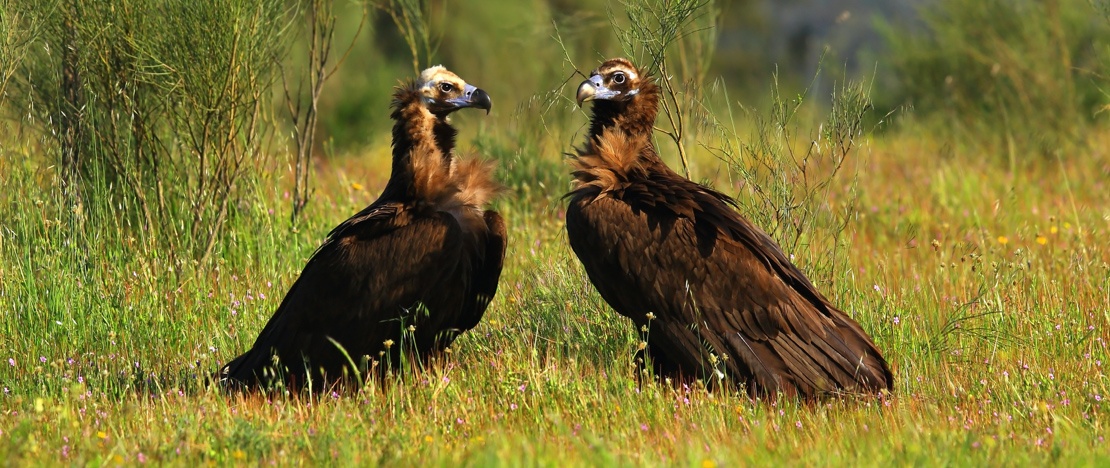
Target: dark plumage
[
  {"x": 406, "y": 274},
  {"x": 718, "y": 296}
]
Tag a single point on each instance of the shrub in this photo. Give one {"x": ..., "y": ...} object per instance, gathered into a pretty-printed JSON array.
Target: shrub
[
  {"x": 160, "y": 104},
  {"x": 1002, "y": 72}
]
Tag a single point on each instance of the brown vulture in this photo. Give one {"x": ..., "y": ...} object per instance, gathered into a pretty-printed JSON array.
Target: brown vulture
[
  {"x": 717, "y": 296},
  {"x": 405, "y": 275}
]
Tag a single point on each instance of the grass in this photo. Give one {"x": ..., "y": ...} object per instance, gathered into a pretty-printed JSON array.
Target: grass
[
  {"x": 987, "y": 290},
  {"x": 982, "y": 274}
]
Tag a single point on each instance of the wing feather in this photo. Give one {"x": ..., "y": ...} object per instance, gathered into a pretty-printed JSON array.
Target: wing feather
[
  {"x": 339, "y": 299},
  {"x": 655, "y": 257},
  {"x": 486, "y": 270}
]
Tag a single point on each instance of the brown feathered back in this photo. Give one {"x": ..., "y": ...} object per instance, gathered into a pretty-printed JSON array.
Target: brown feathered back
[{"x": 718, "y": 296}]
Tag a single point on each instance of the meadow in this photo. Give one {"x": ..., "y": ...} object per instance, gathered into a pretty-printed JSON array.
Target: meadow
[{"x": 976, "y": 258}]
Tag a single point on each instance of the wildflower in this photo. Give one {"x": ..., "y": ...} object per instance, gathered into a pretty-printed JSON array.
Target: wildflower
[
  {"x": 512, "y": 407},
  {"x": 42, "y": 359},
  {"x": 643, "y": 427},
  {"x": 1003, "y": 240},
  {"x": 897, "y": 320},
  {"x": 141, "y": 458},
  {"x": 11, "y": 361},
  {"x": 1042, "y": 240},
  {"x": 1053, "y": 230},
  {"x": 388, "y": 344},
  {"x": 798, "y": 424},
  {"x": 356, "y": 186}
]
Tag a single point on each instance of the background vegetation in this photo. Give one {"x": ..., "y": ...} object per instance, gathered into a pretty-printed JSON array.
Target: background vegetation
[{"x": 947, "y": 185}]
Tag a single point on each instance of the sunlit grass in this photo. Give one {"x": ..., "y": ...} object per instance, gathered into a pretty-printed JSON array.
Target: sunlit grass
[{"x": 987, "y": 289}]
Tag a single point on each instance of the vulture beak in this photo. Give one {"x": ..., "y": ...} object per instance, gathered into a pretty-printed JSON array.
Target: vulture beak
[
  {"x": 592, "y": 89},
  {"x": 587, "y": 91},
  {"x": 472, "y": 97}
]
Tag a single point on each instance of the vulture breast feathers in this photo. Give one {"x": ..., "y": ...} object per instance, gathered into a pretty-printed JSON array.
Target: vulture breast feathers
[
  {"x": 719, "y": 297},
  {"x": 406, "y": 274}
]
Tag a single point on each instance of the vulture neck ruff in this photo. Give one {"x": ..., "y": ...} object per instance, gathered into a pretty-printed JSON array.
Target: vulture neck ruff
[{"x": 422, "y": 148}]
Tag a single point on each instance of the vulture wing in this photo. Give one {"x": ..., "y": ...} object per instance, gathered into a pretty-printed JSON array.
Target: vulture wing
[
  {"x": 486, "y": 272},
  {"x": 338, "y": 302},
  {"x": 724, "y": 298}
]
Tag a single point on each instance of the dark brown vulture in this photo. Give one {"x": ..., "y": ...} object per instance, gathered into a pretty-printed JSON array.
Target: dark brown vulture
[
  {"x": 718, "y": 297},
  {"x": 405, "y": 275}
]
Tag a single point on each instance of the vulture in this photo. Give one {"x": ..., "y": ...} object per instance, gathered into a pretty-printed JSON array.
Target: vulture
[
  {"x": 718, "y": 298},
  {"x": 403, "y": 277}
]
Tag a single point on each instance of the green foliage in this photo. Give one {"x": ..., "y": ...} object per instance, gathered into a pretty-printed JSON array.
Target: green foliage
[
  {"x": 789, "y": 171},
  {"x": 668, "y": 34},
  {"x": 17, "y": 34},
  {"x": 987, "y": 294},
  {"x": 659, "y": 31},
  {"x": 1003, "y": 73},
  {"x": 161, "y": 106},
  {"x": 413, "y": 22}
]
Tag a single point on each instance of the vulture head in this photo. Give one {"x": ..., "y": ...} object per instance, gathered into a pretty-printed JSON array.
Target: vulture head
[
  {"x": 615, "y": 80},
  {"x": 444, "y": 92}
]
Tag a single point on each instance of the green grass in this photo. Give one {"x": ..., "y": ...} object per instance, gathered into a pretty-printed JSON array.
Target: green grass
[
  {"x": 987, "y": 290},
  {"x": 981, "y": 270}
]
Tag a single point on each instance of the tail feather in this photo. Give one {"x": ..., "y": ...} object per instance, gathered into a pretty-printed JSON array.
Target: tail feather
[{"x": 246, "y": 371}]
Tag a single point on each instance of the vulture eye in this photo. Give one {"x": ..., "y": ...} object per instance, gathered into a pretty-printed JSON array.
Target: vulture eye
[
  {"x": 618, "y": 78},
  {"x": 446, "y": 87}
]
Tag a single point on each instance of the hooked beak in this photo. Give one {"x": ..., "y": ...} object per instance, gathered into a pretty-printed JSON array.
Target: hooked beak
[
  {"x": 472, "y": 97},
  {"x": 592, "y": 89}
]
